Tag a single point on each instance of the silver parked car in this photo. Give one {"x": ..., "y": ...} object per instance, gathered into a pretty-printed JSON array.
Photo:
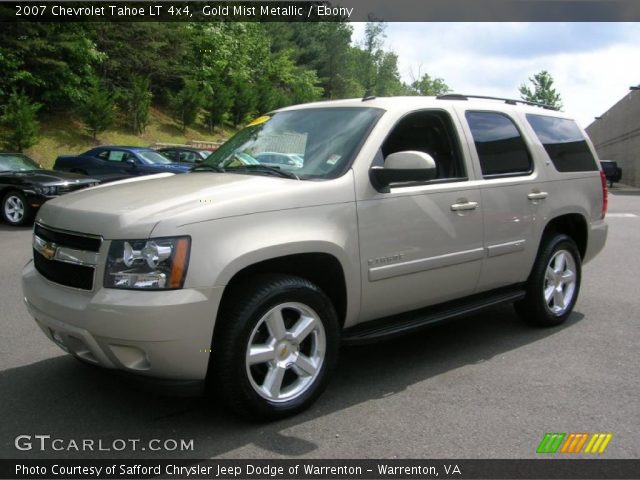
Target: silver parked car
[{"x": 247, "y": 276}]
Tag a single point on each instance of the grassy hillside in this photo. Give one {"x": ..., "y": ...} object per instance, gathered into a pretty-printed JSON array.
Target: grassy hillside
[{"x": 62, "y": 134}]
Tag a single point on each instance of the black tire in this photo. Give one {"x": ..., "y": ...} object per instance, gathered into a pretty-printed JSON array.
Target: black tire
[
  {"x": 534, "y": 308},
  {"x": 9, "y": 202},
  {"x": 242, "y": 315}
]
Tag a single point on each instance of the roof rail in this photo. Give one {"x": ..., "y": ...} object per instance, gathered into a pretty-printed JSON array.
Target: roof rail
[{"x": 510, "y": 101}]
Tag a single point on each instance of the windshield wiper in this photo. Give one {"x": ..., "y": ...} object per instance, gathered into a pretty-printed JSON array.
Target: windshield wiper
[
  {"x": 268, "y": 169},
  {"x": 207, "y": 168}
]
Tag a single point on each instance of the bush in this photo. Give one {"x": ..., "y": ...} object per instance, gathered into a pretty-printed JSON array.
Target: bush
[{"x": 21, "y": 121}]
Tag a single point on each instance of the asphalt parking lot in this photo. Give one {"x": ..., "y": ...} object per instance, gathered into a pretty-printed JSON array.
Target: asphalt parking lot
[{"x": 487, "y": 386}]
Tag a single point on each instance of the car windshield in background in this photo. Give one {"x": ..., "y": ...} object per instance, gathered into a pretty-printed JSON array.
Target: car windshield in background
[
  {"x": 307, "y": 143},
  {"x": 151, "y": 158},
  {"x": 16, "y": 163}
]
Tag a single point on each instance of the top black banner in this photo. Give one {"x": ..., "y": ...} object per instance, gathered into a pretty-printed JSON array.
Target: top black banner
[{"x": 321, "y": 11}]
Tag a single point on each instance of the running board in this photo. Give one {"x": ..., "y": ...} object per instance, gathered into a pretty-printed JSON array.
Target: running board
[{"x": 408, "y": 322}]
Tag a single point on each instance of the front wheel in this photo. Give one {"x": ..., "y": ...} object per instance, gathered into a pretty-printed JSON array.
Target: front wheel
[
  {"x": 554, "y": 283},
  {"x": 15, "y": 209},
  {"x": 275, "y": 347}
]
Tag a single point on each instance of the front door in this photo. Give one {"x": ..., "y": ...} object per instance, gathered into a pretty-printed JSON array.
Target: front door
[{"x": 421, "y": 244}]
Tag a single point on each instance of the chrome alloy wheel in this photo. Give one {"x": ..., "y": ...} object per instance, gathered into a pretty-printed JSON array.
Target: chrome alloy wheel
[
  {"x": 285, "y": 352},
  {"x": 560, "y": 282},
  {"x": 14, "y": 208}
]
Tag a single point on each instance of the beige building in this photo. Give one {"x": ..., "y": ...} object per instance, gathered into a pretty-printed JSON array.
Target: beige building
[{"x": 616, "y": 136}]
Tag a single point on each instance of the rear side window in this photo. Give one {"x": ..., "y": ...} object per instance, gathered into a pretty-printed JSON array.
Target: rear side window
[
  {"x": 500, "y": 146},
  {"x": 564, "y": 142}
]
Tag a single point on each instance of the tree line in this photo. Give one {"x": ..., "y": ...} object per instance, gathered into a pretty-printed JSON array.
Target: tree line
[{"x": 213, "y": 73}]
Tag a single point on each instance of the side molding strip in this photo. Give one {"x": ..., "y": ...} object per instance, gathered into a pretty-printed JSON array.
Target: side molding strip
[
  {"x": 423, "y": 264},
  {"x": 504, "y": 248}
]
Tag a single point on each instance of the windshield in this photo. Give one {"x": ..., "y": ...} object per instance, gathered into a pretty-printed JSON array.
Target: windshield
[
  {"x": 17, "y": 163},
  {"x": 150, "y": 157},
  {"x": 308, "y": 143}
]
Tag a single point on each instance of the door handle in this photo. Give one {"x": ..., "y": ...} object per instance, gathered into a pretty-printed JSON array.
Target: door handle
[
  {"x": 456, "y": 207},
  {"x": 537, "y": 195}
]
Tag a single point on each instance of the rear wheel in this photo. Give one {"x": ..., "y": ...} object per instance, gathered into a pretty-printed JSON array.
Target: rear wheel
[
  {"x": 554, "y": 283},
  {"x": 15, "y": 209},
  {"x": 275, "y": 347}
]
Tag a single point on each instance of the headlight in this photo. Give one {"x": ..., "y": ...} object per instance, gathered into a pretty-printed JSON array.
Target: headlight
[
  {"x": 46, "y": 190},
  {"x": 154, "y": 264}
]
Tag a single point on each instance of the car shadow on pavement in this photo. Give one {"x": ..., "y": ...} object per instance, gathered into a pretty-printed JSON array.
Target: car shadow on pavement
[
  {"x": 61, "y": 398},
  {"x": 620, "y": 189},
  {"x": 9, "y": 228}
]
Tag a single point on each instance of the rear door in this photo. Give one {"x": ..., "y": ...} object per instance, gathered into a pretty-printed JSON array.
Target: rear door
[
  {"x": 512, "y": 191},
  {"x": 421, "y": 244}
]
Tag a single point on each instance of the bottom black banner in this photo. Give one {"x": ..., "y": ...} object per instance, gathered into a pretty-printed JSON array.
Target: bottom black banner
[{"x": 319, "y": 469}]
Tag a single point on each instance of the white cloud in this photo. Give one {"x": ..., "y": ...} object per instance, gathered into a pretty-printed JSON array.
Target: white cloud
[{"x": 592, "y": 64}]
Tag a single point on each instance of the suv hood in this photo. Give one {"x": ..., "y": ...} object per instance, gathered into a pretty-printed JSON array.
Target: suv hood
[{"x": 132, "y": 208}]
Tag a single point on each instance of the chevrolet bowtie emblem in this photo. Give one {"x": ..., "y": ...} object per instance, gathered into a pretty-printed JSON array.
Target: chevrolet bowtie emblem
[{"x": 48, "y": 251}]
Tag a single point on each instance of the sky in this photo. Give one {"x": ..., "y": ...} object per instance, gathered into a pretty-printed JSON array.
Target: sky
[{"x": 593, "y": 64}]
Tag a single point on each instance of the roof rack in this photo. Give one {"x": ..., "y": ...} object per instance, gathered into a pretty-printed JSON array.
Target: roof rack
[{"x": 510, "y": 101}]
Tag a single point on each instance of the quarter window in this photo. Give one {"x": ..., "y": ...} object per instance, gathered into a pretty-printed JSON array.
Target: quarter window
[
  {"x": 564, "y": 142},
  {"x": 500, "y": 146}
]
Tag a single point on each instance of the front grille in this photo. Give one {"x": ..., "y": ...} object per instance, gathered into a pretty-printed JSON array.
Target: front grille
[
  {"x": 90, "y": 244},
  {"x": 64, "y": 273},
  {"x": 69, "y": 274}
]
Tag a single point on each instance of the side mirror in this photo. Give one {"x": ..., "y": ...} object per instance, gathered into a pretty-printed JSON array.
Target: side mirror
[
  {"x": 408, "y": 166},
  {"x": 131, "y": 162}
]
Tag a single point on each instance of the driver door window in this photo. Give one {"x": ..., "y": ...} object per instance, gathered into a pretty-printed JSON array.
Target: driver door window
[{"x": 431, "y": 132}]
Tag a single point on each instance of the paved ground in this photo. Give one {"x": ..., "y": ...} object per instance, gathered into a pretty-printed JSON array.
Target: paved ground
[{"x": 486, "y": 386}]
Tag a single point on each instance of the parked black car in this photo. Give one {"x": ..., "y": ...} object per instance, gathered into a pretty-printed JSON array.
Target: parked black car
[
  {"x": 185, "y": 154},
  {"x": 116, "y": 162},
  {"x": 612, "y": 171},
  {"x": 25, "y": 186}
]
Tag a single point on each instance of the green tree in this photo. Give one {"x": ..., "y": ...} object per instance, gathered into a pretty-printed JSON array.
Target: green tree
[
  {"x": 21, "y": 122},
  {"x": 135, "y": 103},
  {"x": 217, "y": 102},
  {"x": 543, "y": 91},
  {"x": 97, "y": 108},
  {"x": 373, "y": 68},
  {"x": 50, "y": 62},
  {"x": 244, "y": 101},
  {"x": 187, "y": 103},
  {"x": 372, "y": 47},
  {"x": 388, "y": 81},
  {"x": 159, "y": 51},
  {"x": 428, "y": 86},
  {"x": 323, "y": 47}
]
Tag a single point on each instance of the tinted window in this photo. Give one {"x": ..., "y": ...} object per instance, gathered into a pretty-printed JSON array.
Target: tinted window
[
  {"x": 500, "y": 146},
  {"x": 564, "y": 142}
]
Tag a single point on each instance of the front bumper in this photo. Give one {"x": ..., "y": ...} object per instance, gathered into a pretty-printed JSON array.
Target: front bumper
[
  {"x": 35, "y": 200},
  {"x": 161, "y": 335}
]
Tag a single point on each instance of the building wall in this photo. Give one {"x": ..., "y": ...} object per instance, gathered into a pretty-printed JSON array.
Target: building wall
[{"x": 616, "y": 136}]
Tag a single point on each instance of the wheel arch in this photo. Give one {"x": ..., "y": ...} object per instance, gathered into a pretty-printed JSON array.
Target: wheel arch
[
  {"x": 574, "y": 225},
  {"x": 322, "y": 268}
]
